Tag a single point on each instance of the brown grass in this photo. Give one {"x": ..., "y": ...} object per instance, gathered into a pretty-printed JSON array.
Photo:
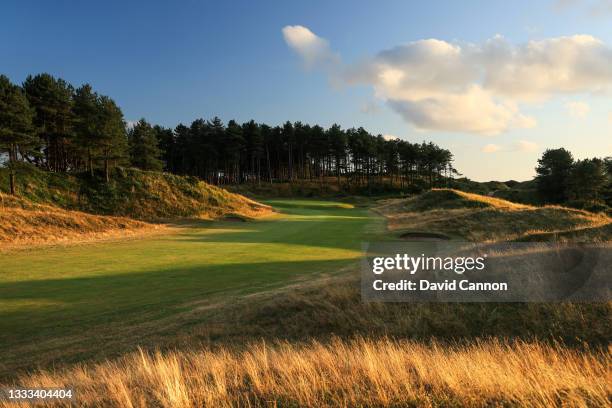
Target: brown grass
[
  {"x": 23, "y": 223},
  {"x": 480, "y": 218},
  {"x": 360, "y": 372}
]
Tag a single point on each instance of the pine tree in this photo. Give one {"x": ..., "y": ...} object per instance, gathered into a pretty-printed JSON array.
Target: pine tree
[
  {"x": 86, "y": 110},
  {"x": 553, "y": 171},
  {"x": 51, "y": 100},
  {"x": 16, "y": 137},
  {"x": 587, "y": 180},
  {"x": 167, "y": 145},
  {"x": 111, "y": 141},
  {"x": 144, "y": 149}
]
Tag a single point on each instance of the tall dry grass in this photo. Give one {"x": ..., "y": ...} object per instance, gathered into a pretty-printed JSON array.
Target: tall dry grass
[
  {"x": 481, "y": 219},
  {"x": 23, "y": 224},
  {"x": 372, "y": 373}
]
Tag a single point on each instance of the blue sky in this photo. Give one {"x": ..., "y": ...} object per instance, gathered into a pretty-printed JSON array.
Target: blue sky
[{"x": 172, "y": 62}]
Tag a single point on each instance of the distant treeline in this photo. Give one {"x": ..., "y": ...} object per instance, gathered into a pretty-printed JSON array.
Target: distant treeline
[{"x": 49, "y": 123}]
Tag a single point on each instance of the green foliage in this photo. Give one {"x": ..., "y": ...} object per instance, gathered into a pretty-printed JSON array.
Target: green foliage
[
  {"x": 87, "y": 123},
  {"x": 111, "y": 134},
  {"x": 586, "y": 180},
  {"x": 16, "y": 137},
  {"x": 554, "y": 168},
  {"x": 144, "y": 149},
  {"x": 51, "y": 99}
]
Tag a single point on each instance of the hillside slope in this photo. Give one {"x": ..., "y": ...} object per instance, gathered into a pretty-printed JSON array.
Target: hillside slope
[
  {"x": 482, "y": 218},
  {"x": 25, "y": 223},
  {"x": 132, "y": 193}
]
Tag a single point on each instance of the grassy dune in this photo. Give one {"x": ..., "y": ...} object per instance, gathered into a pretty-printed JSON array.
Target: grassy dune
[
  {"x": 23, "y": 223},
  {"x": 132, "y": 193},
  {"x": 60, "y": 208},
  {"x": 480, "y": 218}
]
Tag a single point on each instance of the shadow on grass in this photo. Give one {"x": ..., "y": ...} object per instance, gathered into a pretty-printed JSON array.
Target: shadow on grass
[{"x": 51, "y": 307}]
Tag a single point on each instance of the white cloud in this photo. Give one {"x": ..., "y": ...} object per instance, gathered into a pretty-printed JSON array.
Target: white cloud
[
  {"x": 540, "y": 69},
  {"x": 475, "y": 88},
  {"x": 471, "y": 111},
  {"x": 491, "y": 148},
  {"x": 518, "y": 146},
  {"x": 129, "y": 124},
  {"x": 390, "y": 137},
  {"x": 313, "y": 50},
  {"x": 610, "y": 117},
  {"x": 577, "y": 109}
]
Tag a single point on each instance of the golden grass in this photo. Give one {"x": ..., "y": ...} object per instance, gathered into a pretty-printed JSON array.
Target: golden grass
[
  {"x": 153, "y": 196},
  {"x": 23, "y": 223},
  {"x": 360, "y": 372},
  {"x": 490, "y": 201},
  {"x": 480, "y": 218}
]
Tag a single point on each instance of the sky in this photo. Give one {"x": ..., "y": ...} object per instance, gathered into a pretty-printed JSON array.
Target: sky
[{"x": 495, "y": 82}]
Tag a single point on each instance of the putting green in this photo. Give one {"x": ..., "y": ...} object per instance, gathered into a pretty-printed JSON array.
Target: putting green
[{"x": 59, "y": 291}]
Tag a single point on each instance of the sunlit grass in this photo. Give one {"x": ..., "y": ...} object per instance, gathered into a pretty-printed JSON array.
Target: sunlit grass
[
  {"x": 382, "y": 373},
  {"x": 85, "y": 287}
]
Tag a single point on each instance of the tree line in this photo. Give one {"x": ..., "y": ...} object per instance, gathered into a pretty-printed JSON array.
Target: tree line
[
  {"x": 582, "y": 183},
  {"x": 55, "y": 126}
]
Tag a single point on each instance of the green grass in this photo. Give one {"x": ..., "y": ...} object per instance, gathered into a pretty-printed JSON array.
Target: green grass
[{"x": 80, "y": 291}]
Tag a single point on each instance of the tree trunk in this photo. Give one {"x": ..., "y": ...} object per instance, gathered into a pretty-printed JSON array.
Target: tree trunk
[
  {"x": 106, "y": 169},
  {"x": 269, "y": 167},
  {"x": 12, "y": 181},
  {"x": 12, "y": 159},
  {"x": 90, "y": 162}
]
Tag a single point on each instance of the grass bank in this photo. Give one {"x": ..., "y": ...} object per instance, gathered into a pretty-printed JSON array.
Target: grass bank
[
  {"x": 132, "y": 193},
  {"x": 481, "y": 218}
]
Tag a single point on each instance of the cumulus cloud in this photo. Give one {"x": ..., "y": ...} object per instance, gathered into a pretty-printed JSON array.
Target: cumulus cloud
[
  {"x": 577, "y": 109},
  {"x": 474, "y": 88},
  {"x": 539, "y": 69},
  {"x": 314, "y": 50},
  {"x": 518, "y": 146},
  {"x": 390, "y": 137}
]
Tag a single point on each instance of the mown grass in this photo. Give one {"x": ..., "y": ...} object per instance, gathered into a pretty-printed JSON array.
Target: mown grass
[{"x": 62, "y": 303}]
